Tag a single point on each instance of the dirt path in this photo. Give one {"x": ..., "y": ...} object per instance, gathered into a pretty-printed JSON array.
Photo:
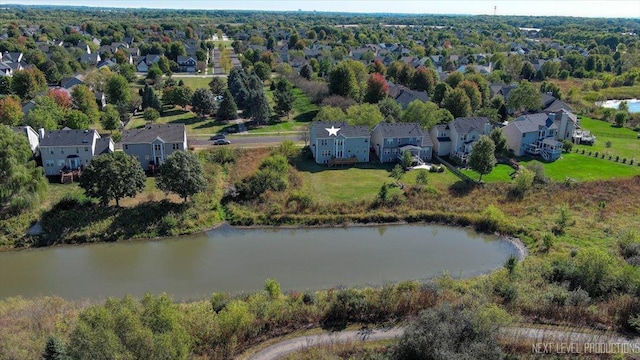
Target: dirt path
[{"x": 553, "y": 338}]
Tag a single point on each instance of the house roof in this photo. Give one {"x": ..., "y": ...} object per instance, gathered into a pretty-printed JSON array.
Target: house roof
[
  {"x": 102, "y": 146},
  {"x": 68, "y": 137},
  {"x": 400, "y": 130},
  {"x": 558, "y": 105},
  {"x": 464, "y": 125},
  {"x": 172, "y": 133},
  {"x": 346, "y": 130},
  {"x": 532, "y": 122}
]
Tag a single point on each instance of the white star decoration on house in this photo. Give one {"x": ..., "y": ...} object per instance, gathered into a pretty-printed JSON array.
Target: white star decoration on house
[{"x": 333, "y": 130}]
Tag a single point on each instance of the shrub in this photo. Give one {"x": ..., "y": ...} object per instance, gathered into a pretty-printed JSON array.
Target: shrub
[
  {"x": 421, "y": 178},
  {"x": 523, "y": 182},
  {"x": 578, "y": 297},
  {"x": 617, "y": 158},
  {"x": 151, "y": 114},
  {"x": 539, "y": 173},
  {"x": 448, "y": 333},
  {"x": 624, "y": 160}
]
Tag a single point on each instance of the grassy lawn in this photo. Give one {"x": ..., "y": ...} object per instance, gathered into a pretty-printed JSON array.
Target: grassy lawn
[
  {"x": 360, "y": 182},
  {"x": 194, "y": 124},
  {"x": 194, "y": 82},
  {"x": 303, "y": 112},
  {"x": 501, "y": 172},
  {"x": 585, "y": 168},
  {"x": 624, "y": 142}
]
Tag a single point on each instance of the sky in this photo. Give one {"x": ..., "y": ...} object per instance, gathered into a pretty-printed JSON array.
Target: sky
[{"x": 580, "y": 8}]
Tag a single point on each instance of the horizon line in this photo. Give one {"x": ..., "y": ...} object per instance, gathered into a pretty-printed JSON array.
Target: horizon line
[{"x": 307, "y": 11}]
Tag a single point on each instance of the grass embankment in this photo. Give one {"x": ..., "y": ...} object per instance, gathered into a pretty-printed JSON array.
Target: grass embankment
[{"x": 195, "y": 81}]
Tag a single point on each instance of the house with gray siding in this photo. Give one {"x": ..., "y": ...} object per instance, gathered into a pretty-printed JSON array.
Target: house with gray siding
[
  {"x": 329, "y": 141},
  {"x": 32, "y": 137},
  {"x": 464, "y": 132},
  {"x": 390, "y": 141},
  {"x": 153, "y": 143},
  {"x": 539, "y": 134},
  {"x": 68, "y": 149}
]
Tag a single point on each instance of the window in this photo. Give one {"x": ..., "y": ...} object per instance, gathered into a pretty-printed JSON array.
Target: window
[
  {"x": 49, "y": 163},
  {"x": 340, "y": 142},
  {"x": 157, "y": 147},
  {"x": 463, "y": 137},
  {"x": 390, "y": 141},
  {"x": 176, "y": 146},
  {"x": 366, "y": 140},
  {"x": 523, "y": 135},
  {"x": 323, "y": 142},
  {"x": 61, "y": 151},
  {"x": 77, "y": 151},
  {"x": 146, "y": 157},
  {"x": 126, "y": 147},
  {"x": 60, "y": 162},
  {"x": 51, "y": 151},
  {"x": 387, "y": 151},
  {"x": 86, "y": 149}
]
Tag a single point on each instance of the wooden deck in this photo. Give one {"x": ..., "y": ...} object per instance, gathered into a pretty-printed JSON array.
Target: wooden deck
[{"x": 348, "y": 161}]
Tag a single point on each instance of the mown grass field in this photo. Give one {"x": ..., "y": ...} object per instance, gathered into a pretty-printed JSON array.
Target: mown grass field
[
  {"x": 624, "y": 141},
  {"x": 194, "y": 124},
  {"x": 195, "y": 82},
  {"x": 357, "y": 183}
]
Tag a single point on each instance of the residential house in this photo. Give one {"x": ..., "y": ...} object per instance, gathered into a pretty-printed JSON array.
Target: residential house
[
  {"x": 68, "y": 83},
  {"x": 5, "y": 69},
  {"x": 403, "y": 95},
  {"x": 145, "y": 62},
  {"x": 537, "y": 135},
  {"x": 90, "y": 59},
  {"x": 67, "y": 149},
  {"x": 457, "y": 138},
  {"x": 338, "y": 142},
  {"x": 390, "y": 141},
  {"x": 187, "y": 64},
  {"x": 32, "y": 137},
  {"x": 153, "y": 143}
]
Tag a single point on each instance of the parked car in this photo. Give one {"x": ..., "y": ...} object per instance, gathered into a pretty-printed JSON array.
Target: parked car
[
  {"x": 221, "y": 142},
  {"x": 217, "y": 137}
]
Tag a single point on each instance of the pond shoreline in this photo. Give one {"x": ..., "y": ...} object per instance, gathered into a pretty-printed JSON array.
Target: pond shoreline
[{"x": 520, "y": 246}]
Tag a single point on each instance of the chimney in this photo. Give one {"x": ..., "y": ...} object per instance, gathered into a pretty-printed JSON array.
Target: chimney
[
  {"x": 552, "y": 116},
  {"x": 41, "y": 132}
]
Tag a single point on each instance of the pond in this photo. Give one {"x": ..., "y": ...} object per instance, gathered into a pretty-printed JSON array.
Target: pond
[
  {"x": 235, "y": 260},
  {"x": 634, "y": 104}
]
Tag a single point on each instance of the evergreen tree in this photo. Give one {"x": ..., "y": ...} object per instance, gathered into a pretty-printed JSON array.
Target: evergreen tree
[
  {"x": 343, "y": 82},
  {"x": 258, "y": 106},
  {"x": 458, "y": 103},
  {"x": 110, "y": 118},
  {"x": 203, "y": 102},
  {"x": 55, "y": 350},
  {"x": 283, "y": 97},
  {"x": 228, "y": 109}
]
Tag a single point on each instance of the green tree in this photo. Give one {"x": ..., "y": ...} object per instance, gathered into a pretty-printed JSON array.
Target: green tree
[
  {"x": 182, "y": 174},
  {"x": 306, "y": 72},
  {"x": 22, "y": 184},
  {"x": 150, "y": 114},
  {"x": 45, "y": 114},
  {"x": 407, "y": 159},
  {"x": 342, "y": 81},
  {"x": 482, "y": 158},
  {"x": 621, "y": 118},
  {"x": 272, "y": 287},
  {"x": 128, "y": 71},
  {"x": 423, "y": 113},
  {"x": 513, "y": 67},
  {"x": 55, "y": 350},
  {"x": 117, "y": 90},
  {"x": 182, "y": 96},
  {"x": 423, "y": 80},
  {"x": 10, "y": 111},
  {"x": 390, "y": 109},
  {"x": 525, "y": 97},
  {"x": 454, "y": 79},
  {"x": 471, "y": 89},
  {"x": 397, "y": 172},
  {"x": 364, "y": 114},
  {"x": 377, "y": 88},
  {"x": 283, "y": 97},
  {"x": 75, "y": 119},
  {"x": 203, "y": 102},
  {"x": 263, "y": 70},
  {"x": 523, "y": 181},
  {"x": 440, "y": 92},
  {"x": 528, "y": 72},
  {"x": 216, "y": 85},
  {"x": 83, "y": 99},
  {"x": 447, "y": 333},
  {"x": 458, "y": 103},
  {"x": 422, "y": 178},
  {"x": 27, "y": 83},
  {"x": 110, "y": 118},
  {"x": 5, "y": 85},
  {"x": 258, "y": 106},
  {"x": 330, "y": 113},
  {"x": 112, "y": 177},
  {"x": 228, "y": 109},
  {"x": 499, "y": 140}
]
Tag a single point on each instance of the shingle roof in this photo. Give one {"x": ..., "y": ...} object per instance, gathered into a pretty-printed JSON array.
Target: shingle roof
[
  {"x": 532, "y": 122},
  {"x": 346, "y": 130},
  {"x": 102, "y": 146},
  {"x": 68, "y": 138},
  {"x": 400, "y": 130},
  {"x": 464, "y": 124},
  {"x": 172, "y": 133},
  {"x": 558, "y": 105}
]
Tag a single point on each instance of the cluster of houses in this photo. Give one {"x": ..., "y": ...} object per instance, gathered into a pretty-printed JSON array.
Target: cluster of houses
[
  {"x": 537, "y": 135},
  {"x": 69, "y": 151}
]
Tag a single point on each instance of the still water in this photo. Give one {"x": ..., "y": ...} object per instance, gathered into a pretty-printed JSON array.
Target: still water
[{"x": 235, "y": 260}]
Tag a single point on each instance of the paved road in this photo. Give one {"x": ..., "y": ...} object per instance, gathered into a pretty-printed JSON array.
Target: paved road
[{"x": 552, "y": 337}]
